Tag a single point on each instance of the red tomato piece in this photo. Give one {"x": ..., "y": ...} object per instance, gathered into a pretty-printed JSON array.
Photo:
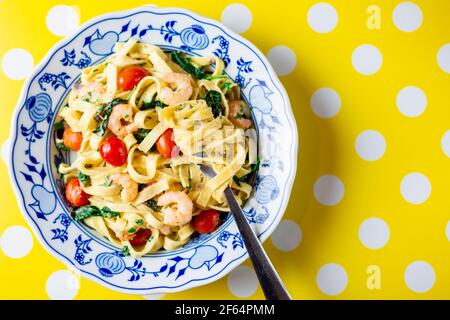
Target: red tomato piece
[
  {"x": 129, "y": 77},
  {"x": 72, "y": 139},
  {"x": 140, "y": 237},
  {"x": 165, "y": 145},
  {"x": 114, "y": 151},
  {"x": 206, "y": 221},
  {"x": 75, "y": 194}
]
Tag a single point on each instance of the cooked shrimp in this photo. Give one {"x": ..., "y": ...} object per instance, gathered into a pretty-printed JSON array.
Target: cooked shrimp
[
  {"x": 239, "y": 114},
  {"x": 181, "y": 92},
  {"x": 129, "y": 186},
  {"x": 121, "y": 120},
  {"x": 180, "y": 215}
]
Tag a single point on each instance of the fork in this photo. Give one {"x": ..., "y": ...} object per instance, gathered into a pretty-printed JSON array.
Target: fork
[{"x": 269, "y": 279}]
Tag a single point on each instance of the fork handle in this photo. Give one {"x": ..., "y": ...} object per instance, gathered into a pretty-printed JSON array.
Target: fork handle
[{"x": 271, "y": 283}]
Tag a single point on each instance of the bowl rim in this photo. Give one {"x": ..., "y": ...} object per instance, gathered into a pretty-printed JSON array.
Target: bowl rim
[{"x": 46, "y": 59}]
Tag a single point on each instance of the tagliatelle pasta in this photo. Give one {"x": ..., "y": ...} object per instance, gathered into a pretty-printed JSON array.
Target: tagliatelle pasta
[{"x": 140, "y": 122}]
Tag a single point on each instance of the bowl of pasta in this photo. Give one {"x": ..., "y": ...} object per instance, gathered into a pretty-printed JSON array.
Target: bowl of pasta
[{"x": 108, "y": 134}]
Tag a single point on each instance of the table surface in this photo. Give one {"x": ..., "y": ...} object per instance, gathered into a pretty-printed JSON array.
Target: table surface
[{"x": 370, "y": 90}]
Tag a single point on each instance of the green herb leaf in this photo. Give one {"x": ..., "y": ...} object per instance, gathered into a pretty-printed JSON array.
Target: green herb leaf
[
  {"x": 58, "y": 125},
  {"x": 90, "y": 211},
  {"x": 103, "y": 114},
  {"x": 141, "y": 134},
  {"x": 226, "y": 86},
  {"x": 219, "y": 76},
  {"x": 152, "y": 104},
  {"x": 132, "y": 230},
  {"x": 61, "y": 146},
  {"x": 107, "y": 182},
  {"x": 237, "y": 180},
  {"x": 254, "y": 167},
  {"x": 187, "y": 66},
  {"x": 84, "y": 179},
  {"x": 108, "y": 213},
  {"x": 125, "y": 251},
  {"x": 153, "y": 204},
  {"x": 214, "y": 100},
  {"x": 139, "y": 222}
]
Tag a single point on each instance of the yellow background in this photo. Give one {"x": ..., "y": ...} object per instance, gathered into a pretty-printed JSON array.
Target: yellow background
[{"x": 330, "y": 234}]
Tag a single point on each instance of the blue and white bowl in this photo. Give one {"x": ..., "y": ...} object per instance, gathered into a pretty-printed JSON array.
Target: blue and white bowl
[{"x": 32, "y": 158}]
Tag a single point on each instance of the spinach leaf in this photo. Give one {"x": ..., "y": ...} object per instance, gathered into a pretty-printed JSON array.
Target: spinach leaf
[
  {"x": 89, "y": 211},
  {"x": 103, "y": 114},
  {"x": 61, "y": 146},
  {"x": 139, "y": 222},
  {"x": 254, "y": 167},
  {"x": 152, "y": 104},
  {"x": 59, "y": 125},
  {"x": 84, "y": 179},
  {"x": 125, "y": 251},
  {"x": 141, "y": 134},
  {"x": 187, "y": 66},
  {"x": 153, "y": 204},
  {"x": 214, "y": 100}
]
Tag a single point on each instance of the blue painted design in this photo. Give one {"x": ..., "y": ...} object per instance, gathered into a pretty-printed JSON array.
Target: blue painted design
[
  {"x": 39, "y": 107},
  {"x": 222, "y": 51},
  {"x": 102, "y": 44},
  {"x": 61, "y": 233},
  {"x": 82, "y": 249},
  {"x": 267, "y": 189},
  {"x": 255, "y": 217},
  {"x": 243, "y": 67},
  {"x": 259, "y": 97},
  {"x": 192, "y": 38},
  {"x": 236, "y": 239},
  {"x": 109, "y": 264},
  {"x": 56, "y": 80},
  {"x": 70, "y": 56}
]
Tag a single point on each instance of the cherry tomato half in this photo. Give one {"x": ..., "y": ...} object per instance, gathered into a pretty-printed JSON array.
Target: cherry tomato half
[
  {"x": 114, "y": 151},
  {"x": 75, "y": 194},
  {"x": 72, "y": 139},
  {"x": 140, "y": 237},
  {"x": 165, "y": 144},
  {"x": 206, "y": 221},
  {"x": 129, "y": 77}
]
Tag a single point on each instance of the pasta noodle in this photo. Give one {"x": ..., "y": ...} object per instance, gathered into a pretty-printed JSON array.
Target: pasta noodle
[{"x": 140, "y": 122}]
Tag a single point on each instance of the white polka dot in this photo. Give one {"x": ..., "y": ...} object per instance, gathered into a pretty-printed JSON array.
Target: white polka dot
[
  {"x": 17, "y": 64},
  {"x": 237, "y": 17},
  {"x": 370, "y": 145},
  {"x": 447, "y": 230},
  {"x": 443, "y": 58},
  {"x": 411, "y": 101},
  {"x": 325, "y": 103},
  {"x": 332, "y": 279},
  {"x": 420, "y": 276},
  {"x": 328, "y": 190},
  {"x": 445, "y": 143},
  {"x": 282, "y": 59},
  {"x": 62, "y": 20},
  {"x": 16, "y": 242},
  {"x": 415, "y": 188},
  {"x": 322, "y": 17},
  {"x": 5, "y": 150},
  {"x": 407, "y": 16},
  {"x": 287, "y": 236},
  {"x": 62, "y": 285},
  {"x": 367, "y": 59},
  {"x": 154, "y": 296},
  {"x": 242, "y": 282},
  {"x": 374, "y": 233}
]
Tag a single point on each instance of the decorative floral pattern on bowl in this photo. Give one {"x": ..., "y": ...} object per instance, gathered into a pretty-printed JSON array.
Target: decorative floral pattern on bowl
[{"x": 34, "y": 157}]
